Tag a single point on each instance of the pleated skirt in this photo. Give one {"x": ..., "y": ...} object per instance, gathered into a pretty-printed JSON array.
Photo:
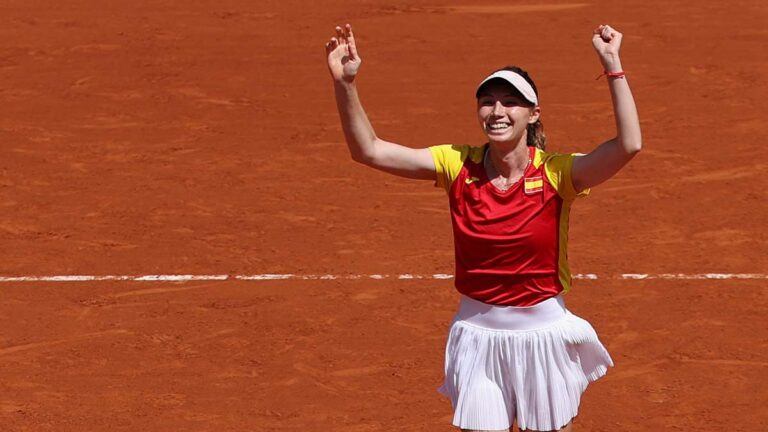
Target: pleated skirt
[{"x": 530, "y": 364}]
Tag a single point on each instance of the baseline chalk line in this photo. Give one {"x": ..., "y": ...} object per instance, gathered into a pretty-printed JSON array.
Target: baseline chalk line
[{"x": 405, "y": 276}]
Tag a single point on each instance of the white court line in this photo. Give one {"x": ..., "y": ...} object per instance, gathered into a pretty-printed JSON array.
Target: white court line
[
  {"x": 406, "y": 276},
  {"x": 264, "y": 277},
  {"x": 682, "y": 276}
]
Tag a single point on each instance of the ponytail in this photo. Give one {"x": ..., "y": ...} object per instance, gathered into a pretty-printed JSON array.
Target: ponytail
[{"x": 536, "y": 137}]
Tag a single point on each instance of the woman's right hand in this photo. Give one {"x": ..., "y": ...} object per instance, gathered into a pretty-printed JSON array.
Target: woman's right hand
[{"x": 343, "y": 60}]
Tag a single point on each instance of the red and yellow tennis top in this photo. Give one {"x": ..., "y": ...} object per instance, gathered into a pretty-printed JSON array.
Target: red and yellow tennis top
[{"x": 511, "y": 247}]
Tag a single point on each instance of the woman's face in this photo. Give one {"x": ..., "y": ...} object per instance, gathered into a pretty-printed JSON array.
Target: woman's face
[{"x": 503, "y": 113}]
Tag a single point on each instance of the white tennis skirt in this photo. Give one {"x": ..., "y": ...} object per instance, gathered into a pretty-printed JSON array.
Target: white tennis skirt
[{"x": 527, "y": 363}]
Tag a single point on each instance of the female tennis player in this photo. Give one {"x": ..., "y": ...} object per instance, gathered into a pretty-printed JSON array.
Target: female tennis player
[{"x": 514, "y": 352}]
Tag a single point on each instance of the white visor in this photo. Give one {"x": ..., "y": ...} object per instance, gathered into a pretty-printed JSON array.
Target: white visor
[{"x": 517, "y": 81}]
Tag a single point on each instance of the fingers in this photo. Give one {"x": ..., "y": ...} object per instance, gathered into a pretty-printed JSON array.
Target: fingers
[
  {"x": 606, "y": 33},
  {"x": 603, "y": 32},
  {"x": 597, "y": 31},
  {"x": 335, "y": 41},
  {"x": 351, "y": 41},
  {"x": 341, "y": 38},
  {"x": 331, "y": 45},
  {"x": 346, "y": 38}
]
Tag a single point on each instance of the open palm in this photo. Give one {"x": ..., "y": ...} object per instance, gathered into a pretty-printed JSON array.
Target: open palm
[{"x": 343, "y": 60}]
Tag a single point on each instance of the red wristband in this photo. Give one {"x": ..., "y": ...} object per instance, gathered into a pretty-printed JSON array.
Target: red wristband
[{"x": 611, "y": 75}]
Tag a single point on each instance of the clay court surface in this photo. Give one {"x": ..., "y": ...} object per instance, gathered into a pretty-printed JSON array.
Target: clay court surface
[{"x": 201, "y": 138}]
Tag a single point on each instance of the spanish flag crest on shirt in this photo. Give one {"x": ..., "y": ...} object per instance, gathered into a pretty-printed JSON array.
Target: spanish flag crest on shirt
[{"x": 532, "y": 185}]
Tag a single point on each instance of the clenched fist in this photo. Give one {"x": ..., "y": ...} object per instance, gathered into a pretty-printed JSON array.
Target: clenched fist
[{"x": 607, "y": 42}]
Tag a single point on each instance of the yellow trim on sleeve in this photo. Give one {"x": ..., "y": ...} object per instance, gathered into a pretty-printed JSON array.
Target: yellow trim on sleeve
[
  {"x": 557, "y": 168},
  {"x": 448, "y": 162}
]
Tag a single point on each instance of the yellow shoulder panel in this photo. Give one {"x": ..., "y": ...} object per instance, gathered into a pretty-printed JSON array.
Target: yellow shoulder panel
[
  {"x": 557, "y": 168},
  {"x": 449, "y": 159}
]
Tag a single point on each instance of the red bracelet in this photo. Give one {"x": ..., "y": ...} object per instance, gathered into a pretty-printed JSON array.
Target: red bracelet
[{"x": 611, "y": 75}]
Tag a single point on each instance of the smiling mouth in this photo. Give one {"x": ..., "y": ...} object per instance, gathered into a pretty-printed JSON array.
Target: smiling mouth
[{"x": 498, "y": 127}]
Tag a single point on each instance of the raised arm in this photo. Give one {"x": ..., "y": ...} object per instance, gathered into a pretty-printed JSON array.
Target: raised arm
[
  {"x": 364, "y": 146},
  {"x": 609, "y": 157}
]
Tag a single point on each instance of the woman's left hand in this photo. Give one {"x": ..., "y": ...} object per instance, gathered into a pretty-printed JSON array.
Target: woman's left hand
[{"x": 607, "y": 42}]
